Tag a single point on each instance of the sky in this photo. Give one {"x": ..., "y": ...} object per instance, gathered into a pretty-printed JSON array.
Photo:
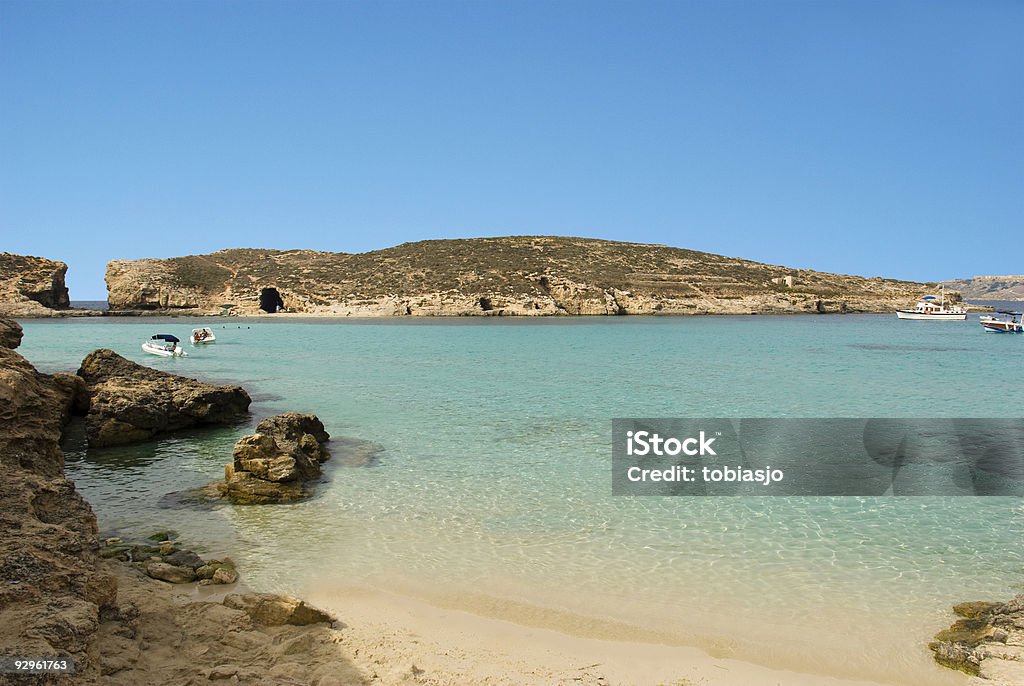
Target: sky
[{"x": 880, "y": 138}]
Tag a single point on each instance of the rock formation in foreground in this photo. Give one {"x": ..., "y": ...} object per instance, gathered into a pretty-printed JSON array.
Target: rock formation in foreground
[
  {"x": 52, "y": 595},
  {"x": 58, "y": 599},
  {"x": 274, "y": 464},
  {"x": 129, "y": 403},
  {"x": 516, "y": 275},
  {"x": 989, "y": 287},
  {"x": 32, "y": 286},
  {"x": 987, "y": 641}
]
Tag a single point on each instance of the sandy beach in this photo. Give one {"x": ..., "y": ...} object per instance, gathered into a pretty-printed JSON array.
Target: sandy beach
[
  {"x": 453, "y": 646},
  {"x": 183, "y": 633}
]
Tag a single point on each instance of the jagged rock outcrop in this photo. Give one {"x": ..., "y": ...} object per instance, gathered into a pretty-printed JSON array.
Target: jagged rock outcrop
[
  {"x": 129, "y": 403},
  {"x": 274, "y": 464},
  {"x": 52, "y": 596},
  {"x": 987, "y": 641},
  {"x": 10, "y": 334},
  {"x": 32, "y": 286},
  {"x": 989, "y": 287},
  {"x": 515, "y": 275}
]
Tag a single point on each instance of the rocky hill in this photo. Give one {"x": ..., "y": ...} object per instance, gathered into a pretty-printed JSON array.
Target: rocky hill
[
  {"x": 31, "y": 286},
  {"x": 989, "y": 287},
  {"x": 519, "y": 275}
]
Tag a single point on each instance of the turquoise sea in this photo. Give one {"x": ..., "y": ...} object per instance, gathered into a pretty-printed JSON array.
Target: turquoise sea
[{"x": 492, "y": 487}]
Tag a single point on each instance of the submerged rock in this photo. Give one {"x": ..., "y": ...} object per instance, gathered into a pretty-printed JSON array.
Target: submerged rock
[
  {"x": 168, "y": 562},
  {"x": 170, "y": 573},
  {"x": 210, "y": 567},
  {"x": 224, "y": 575},
  {"x": 272, "y": 465},
  {"x": 129, "y": 403},
  {"x": 184, "y": 558}
]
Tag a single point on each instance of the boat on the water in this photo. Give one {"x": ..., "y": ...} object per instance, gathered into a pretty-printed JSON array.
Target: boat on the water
[
  {"x": 164, "y": 345},
  {"x": 1003, "y": 321},
  {"x": 928, "y": 309},
  {"x": 203, "y": 335}
]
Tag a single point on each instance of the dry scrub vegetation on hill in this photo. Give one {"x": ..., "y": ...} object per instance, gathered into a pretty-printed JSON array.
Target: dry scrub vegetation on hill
[{"x": 516, "y": 275}]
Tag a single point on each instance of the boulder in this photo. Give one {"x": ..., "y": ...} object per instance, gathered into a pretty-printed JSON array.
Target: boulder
[
  {"x": 161, "y": 536},
  {"x": 269, "y": 609},
  {"x": 10, "y": 333},
  {"x": 224, "y": 575},
  {"x": 271, "y": 465},
  {"x": 184, "y": 558},
  {"x": 208, "y": 568},
  {"x": 129, "y": 402},
  {"x": 170, "y": 573},
  {"x": 217, "y": 572}
]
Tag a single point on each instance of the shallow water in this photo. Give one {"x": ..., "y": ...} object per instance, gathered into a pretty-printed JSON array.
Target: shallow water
[{"x": 494, "y": 481}]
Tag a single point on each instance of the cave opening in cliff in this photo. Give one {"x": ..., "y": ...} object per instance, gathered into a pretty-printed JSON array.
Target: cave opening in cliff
[{"x": 270, "y": 300}]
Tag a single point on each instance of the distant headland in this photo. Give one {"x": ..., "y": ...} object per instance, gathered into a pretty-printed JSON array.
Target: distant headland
[
  {"x": 505, "y": 276},
  {"x": 989, "y": 287}
]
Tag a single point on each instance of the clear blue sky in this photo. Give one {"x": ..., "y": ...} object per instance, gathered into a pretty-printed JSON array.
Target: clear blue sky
[{"x": 866, "y": 137}]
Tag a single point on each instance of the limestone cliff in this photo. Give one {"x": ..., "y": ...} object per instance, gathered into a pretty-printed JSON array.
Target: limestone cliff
[
  {"x": 52, "y": 595},
  {"x": 516, "y": 275},
  {"x": 989, "y": 287},
  {"x": 31, "y": 286}
]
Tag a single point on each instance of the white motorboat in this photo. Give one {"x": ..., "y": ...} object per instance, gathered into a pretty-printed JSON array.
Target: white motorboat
[
  {"x": 164, "y": 345},
  {"x": 1004, "y": 321},
  {"x": 203, "y": 335},
  {"x": 928, "y": 309}
]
